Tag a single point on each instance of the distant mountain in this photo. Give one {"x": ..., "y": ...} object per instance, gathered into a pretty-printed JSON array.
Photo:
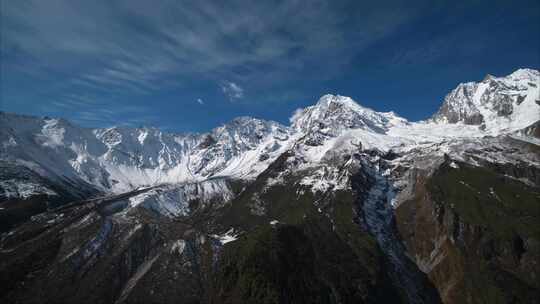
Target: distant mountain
[
  {"x": 499, "y": 104},
  {"x": 345, "y": 205},
  {"x": 121, "y": 159}
]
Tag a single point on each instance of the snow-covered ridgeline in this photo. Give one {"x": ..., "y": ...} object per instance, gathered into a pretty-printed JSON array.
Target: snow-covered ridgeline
[
  {"x": 122, "y": 159},
  {"x": 175, "y": 200}
]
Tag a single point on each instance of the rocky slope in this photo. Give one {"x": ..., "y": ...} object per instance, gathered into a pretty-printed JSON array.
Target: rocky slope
[{"x": 345, "y": 205}]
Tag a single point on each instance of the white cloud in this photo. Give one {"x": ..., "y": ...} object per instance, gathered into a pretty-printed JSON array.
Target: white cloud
[
  {"x": 232, "y": 90},
  {"x": 200, "y": 101},
  {"x": 297, "y": 113}
]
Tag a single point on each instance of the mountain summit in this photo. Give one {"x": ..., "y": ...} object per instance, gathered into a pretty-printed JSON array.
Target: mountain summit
[
  {"x": 496, "y": 103},
  {"x": 335, "y": 113}
]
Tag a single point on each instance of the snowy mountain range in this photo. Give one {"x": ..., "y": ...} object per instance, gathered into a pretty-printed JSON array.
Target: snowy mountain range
[
  {"x": 121, "y": 159},
  {"x": 371, "y": 183}
]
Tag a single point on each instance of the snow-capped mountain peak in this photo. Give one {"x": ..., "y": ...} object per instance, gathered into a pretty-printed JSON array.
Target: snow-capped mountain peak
[
  {"x": 334, "y": 113},
  {"x": 247, "y": 132},
  {"x": 496, "y": 104},
  {"x": 524, "y": 74}
]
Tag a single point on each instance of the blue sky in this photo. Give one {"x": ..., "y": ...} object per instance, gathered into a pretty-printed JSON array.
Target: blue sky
[{"x": 192, "y": 65}]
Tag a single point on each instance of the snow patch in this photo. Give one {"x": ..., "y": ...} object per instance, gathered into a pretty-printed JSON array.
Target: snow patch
[
  {"x": 454, "y": 165},
  {"x": 227, "y": 237},
  {"x": 174, "y": 200},
  {"x": 15, "y": 188},
  {"x": 11, "y": 142},
  {"x": 178, "y": 246},
  {"x": 51, "y": 134}
]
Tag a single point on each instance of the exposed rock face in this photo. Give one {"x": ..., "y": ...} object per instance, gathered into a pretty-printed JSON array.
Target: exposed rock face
[
  {"x": 472, "y": 231},
  {"x": 459, "y": 106},
  {"x": 88, "y": 256},
  {"x": 375, "y": 193},
  {"x": 531, "y": 131}
]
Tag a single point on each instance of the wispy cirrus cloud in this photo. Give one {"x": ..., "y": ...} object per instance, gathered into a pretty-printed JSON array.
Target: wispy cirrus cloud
[
  {"x": 232, "y": 90},
  {"x": 134, "y": 47},
  {"x": 91, "y": 111}
]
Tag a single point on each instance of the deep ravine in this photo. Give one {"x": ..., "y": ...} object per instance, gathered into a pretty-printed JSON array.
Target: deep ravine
[{"x": 378, "y": 216}]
